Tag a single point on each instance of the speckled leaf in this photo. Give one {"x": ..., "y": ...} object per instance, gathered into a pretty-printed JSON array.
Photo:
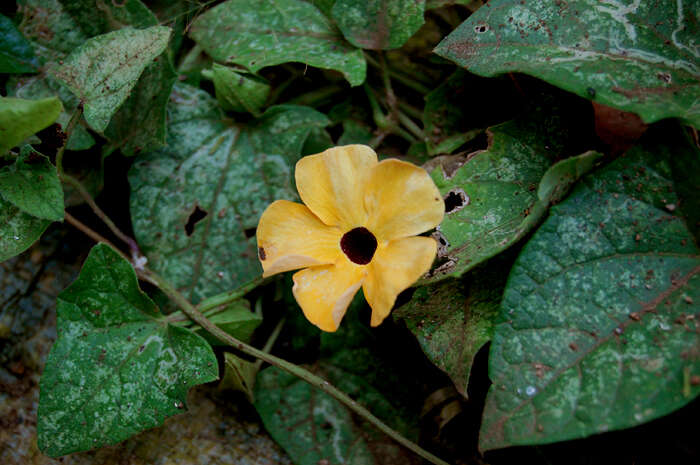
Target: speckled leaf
[
  {"x": 20, "y": 118},
  {"x": 95, "y": 17},
  {"x": 491, "y": 196},
  {"x": 16, "y": 52},
  {"x": 378, "y": 24},
  {"x": 638, "y": 56},
  {"x": 239, "y": 91},
  {"x": 196, "y": 202},
  {"x": 270, "y": 32},
  {"x": 117, "y": 366},
  {"x": 453, "y": 319},
  {"x": 32, "y": 185},
  {"x": 103, "y": 70},
  {"x": 598, "y": 325},
  {"x": 19, "y": 230}
]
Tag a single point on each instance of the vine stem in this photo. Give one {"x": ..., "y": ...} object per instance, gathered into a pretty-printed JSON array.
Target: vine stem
[
  {"x": 295, "y": 370},
  {"x": 75, "y": 117}
]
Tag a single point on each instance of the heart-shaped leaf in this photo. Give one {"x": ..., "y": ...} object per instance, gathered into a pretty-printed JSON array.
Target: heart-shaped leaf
[
  {"x": 598, "y": 325},
  {"x": 117, "y": 367}
]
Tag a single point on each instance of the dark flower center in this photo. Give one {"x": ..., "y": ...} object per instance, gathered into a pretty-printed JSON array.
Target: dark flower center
[{"x": 359, "y": 245}]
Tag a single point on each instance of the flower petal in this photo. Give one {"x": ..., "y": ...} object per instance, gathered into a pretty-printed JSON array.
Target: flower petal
[
  {"x": 291, "y": 237},
  {"x": 396, "y": 266},
  {"x": 332, "y": 183},
  {"x": 324, "y": 292},
  {"x": 401, "y": 200}
]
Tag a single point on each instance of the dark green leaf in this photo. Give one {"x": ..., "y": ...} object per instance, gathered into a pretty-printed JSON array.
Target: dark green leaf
[
  {"x": 117, "y": 367},
  {"x": 238, "y": 91},
  {"x": 378, "y": 24},
  {"x": 19, "y": 230},
  {"x": 196, "y": 202},
  {"x": 32, "y": 185},
  {"x": 491, "y": 196},
  {"x": 318, "y": 141},
  {"x": 20, "y": 118},
  {"x": 270, "y": 32},
  {"x": 16, "y": 52},
  {"x": 239, "y": 375},
  {"x": 597, "y": 328},
  {"x": 236, "y": 319},
  {"x": 95, "y": 17},
  {"x": 103, "y": 70},
  {"x": 640, "y": 57}
]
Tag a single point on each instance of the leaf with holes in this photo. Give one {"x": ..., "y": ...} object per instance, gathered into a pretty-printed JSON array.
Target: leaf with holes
[
  {"x": 103, "y": 70},
  {"x": 209, "y": 185},
  {"x": 270, "y": 32},
  {"x": 491, "y": 196},
  {"x": 598, "y": 325},
  {"x": 312, "y": 426},
  {"x": 16, "y": 52},
  {"x": 378, "y": 24},
  {"x": 452, "y": 320},
  {"x": 32, "y": 185},
  {"x": 20, "y": 118},
  {"x": 637, "y": 56},
  {"x": 117, "y": 367},
  {"x": 238, "y": 91}
]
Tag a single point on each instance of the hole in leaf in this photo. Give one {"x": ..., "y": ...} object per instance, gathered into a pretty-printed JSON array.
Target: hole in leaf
[
  {"x": 250, "y": 232},
  {"x": 455, "y": 200},
  {"x": 196, "y": 216}
]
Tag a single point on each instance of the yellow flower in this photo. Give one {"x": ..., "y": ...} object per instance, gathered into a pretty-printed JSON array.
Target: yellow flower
[{"x": 356, "y": 229}]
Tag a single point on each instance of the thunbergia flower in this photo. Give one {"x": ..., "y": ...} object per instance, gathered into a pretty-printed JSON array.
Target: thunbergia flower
[{"x": 357, "y": 229}]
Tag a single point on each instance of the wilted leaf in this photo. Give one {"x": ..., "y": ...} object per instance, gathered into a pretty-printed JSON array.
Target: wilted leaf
[
  {"x": 103, "y": 70},
  {"x": 32, "y": 185},
  {"x": 117, "y": 367},
  {"x": 270, "y": 32},
  {"x": 491, "y": 196},
  {"x": 378, "y": 24},
  {"x": 238, "y": 91},
  {"x": 20, "y": 118},
  {"x": 209, "y": 186},
  {"x": 640, "y": 57},
  {"x": 16, "y": 52},
  {"x": 597, "y": 327}
]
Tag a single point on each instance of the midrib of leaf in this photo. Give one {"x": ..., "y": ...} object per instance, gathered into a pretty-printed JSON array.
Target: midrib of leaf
[
  {"x": 200, "y": 256},
  {"x": 646, "y": 308}
]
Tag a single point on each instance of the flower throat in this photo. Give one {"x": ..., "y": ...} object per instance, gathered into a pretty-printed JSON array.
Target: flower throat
[{"x": 359, "y": 245}]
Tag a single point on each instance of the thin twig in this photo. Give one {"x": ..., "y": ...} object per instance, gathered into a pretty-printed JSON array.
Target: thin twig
[
  {"x": 267, "y": 348},
  {"x": 91, "y": 233},
  {"x": 75, "y": 117},
  {"x": 295, "y": 370}
]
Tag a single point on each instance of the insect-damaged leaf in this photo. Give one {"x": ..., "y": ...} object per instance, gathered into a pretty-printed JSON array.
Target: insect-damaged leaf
[
  {"x": 270, "y": 32},
  {"x": 638, "y": 56},
  {"x": 492, "y": 197},
  {"x": 196, "y": 202},
  {"x": 103, "y": 70},
  {"x": 378, "y": 24},
  {"x": 32, "y": 185},
  {"x": 598, "y": 325},
  {"x": 117, "y": 367}
]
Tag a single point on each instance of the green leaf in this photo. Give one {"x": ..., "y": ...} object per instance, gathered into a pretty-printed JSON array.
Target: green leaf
[
  {"x": 318, "y": 141},
  {"x": 19, "y": 230},
  {"x": 95, "y": 17},
  {"x": 270, "y": 32},
  {"x": 236, "y": 319},
  {"x": 596, "y": 329},
  {"x": 32, "y": 185},
  {"x": 640, "y": 57},
  {"x": 209, "y": 186},
  {"x": 117, "y": 366},
  {"x": 239, "y": 375},
  {"x": 41, "y": 86},
  {"x": 21, "y": 118},
  {"x": 452, "y": 320},
  {"x": 103, "y": 70},
  {"x": 491, "y": 196},
  {"x": 312, "y": 426},
  {"x": 16, "y": 52},
  {"x": 378, "y": 24},
  {"x": 238, "y": 91}
]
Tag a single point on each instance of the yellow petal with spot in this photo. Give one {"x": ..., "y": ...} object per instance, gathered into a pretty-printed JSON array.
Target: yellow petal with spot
[
  {"x": 332, "y": 183},
  {"x": 401, "y": 200},
  {"x": 324, "y": 292},
  {"x": 395, "y": 266},
  {"x": 291, "y": 237}
]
